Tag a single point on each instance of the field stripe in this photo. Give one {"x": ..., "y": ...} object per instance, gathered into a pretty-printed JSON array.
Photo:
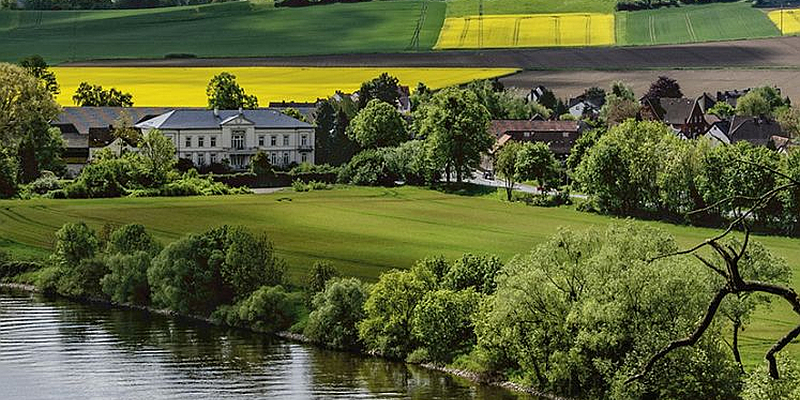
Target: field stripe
[
  {"x": 652, "y": 26},
  {"x": 690, "y": 28}
]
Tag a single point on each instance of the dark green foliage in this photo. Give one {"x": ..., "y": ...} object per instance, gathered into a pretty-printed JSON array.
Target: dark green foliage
[
  {"x": 472, "y": 271},
  {"x": 331, "y": 144},
  {"x": 294, "y": 113},
  {"x": 337, "y": 311},
  {"x": 379, "y": 124},
  {"x": 8, "y": 175},
  {"x": 321, "y": 272},
  {"x": 664, "y": 87},
  {"x": 95, "y": 96},
  {"x": 40, "y": 149},
  {"x": 259, "y": 164},
  {"x": 268, "y": 309},
  {"x": 581, "y": 148},
  {"x": 411, "y": 163},
  {"x": 368, "y": 168},
  {"x": 198, "y": 273},
  {"x": 443, "y": 323},
  {"x": 126, "y": 281},
  {"x": 77, "y": 269},
  {"x": 224, "y": 93},
  {"x": 36, "y": 66},
  {"x": 384, "y": 88},
  {"x": 758, "y": 385},
  {"x": 132, "y": 238}
]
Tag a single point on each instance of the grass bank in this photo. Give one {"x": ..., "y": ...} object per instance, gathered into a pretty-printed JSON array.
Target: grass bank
[{"x": 363, "y": 231}]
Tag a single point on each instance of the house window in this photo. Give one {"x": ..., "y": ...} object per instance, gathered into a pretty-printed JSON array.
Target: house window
[
  {"x": 201, "y": 141},
  {"x": 213, "y": 157},
  {"x": 237, "y": 161},
  {"x": 237, "y": 140},
  {"x": 188, "y": 141},
  {"x": 261, "y": 141},
  {"x": 285, "y": 140},
  {"x": 304, "y": 140},
  {"x": 304, "y": 157},
  {"x": 201, "y": 159},
  {"x": 274, "y": 157},
  {"x": 213, "y": 141},
  {"x": 285, "y": 158},
  {"x": 273, "y": 141}
]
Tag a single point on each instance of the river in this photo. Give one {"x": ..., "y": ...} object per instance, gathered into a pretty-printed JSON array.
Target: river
[{"x": 58, "y": 349}]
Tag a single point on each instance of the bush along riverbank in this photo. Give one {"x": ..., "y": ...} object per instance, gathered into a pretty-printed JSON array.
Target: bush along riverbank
[{"x": 575, "y": 318}]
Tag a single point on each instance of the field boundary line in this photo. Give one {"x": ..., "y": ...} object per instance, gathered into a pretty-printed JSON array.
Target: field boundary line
[
  {"x": 652, "y": 26},
  {"x": 690, "y": 28}
]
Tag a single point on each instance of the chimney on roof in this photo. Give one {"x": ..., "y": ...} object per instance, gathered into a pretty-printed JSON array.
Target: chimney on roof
[
  {"x": 216, "y": 112},
  {"x": 241, "y": 111}
]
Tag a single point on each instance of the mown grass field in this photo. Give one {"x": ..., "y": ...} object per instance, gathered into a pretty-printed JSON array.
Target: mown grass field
[
  {"x": 527, "y": 30},
  {"x": 171, "y": 87},
  {"x": 234, "y": 29},
  {"x": 461, "y": 8},
  {"x": 363, "y": 231},
  {"x": 694, "y": 23},
  {"x": 787, "y": 21}
]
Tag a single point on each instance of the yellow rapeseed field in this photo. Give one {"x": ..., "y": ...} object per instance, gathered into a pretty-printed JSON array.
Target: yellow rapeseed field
[
  {"x": 527, "y": 30},
  {"x": 790, "y": 23},
  {"x": 186, "y": 87}
]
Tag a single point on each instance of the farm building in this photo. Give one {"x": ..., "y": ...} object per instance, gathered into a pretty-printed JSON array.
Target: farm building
[{"x": 559, "y": 135}]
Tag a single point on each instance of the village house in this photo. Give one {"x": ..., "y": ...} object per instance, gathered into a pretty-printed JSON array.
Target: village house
[
  {"x": 760, "y": 131},
  {"x": 560, "y": 136},
  {"x": 211, "y": 136},
  {"x": 685, "y": 116}
]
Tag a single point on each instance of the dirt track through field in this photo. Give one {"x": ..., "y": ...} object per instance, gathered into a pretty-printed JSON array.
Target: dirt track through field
[{"x": 774, "y": 53}]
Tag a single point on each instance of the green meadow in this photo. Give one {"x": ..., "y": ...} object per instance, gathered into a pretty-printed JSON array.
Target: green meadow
[
  {"x": 460, "y": 8},
  {"x": 363, "y": 231},
  {"x": 235, "y": 29},
  {"x": 694, "y": 23}
]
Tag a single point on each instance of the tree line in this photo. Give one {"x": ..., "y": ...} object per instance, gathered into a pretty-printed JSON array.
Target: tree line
[{"x": 577, "y": 316}]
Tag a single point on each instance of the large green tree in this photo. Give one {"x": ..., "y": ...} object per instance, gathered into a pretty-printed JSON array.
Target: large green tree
[
  {"x": 384, "y": 88},
  {"x": 224, "y": 93},
  {"x": 455, "y": 126},
  {"x": 379, "y": 124},
  {"x": 158, "y": 154},
  {"x": 38, "y": 68},
  {"x": 88, "y": 95}
]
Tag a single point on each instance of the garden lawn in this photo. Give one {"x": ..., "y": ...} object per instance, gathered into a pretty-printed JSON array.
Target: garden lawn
[
  {"x": 186, "y": 87},
  {"x": 461, "y": 8},
  {"x": 363, "y": 231},
  {"x": 235, "y": 29},
  {"x": 693, "y": 23}
]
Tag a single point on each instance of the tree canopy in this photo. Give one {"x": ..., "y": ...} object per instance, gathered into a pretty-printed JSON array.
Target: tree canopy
[
  {"x": 224, "y": 93},
  {"x": 379, "y": 124}
]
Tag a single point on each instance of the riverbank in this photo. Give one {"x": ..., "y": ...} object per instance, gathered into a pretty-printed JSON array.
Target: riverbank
[{"x": 293, "y": 337}]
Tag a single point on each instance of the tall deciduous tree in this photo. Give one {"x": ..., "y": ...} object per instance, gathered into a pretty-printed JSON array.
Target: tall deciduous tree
[
  {"x": 505, "y": 165},
  {"x": 385, "y": 88},
  {"x": 537, "y": 162},
  {"x": 664, "y": 87},
  {"x": 95, "y": 96},
  {"x": 158, "y": 154},
  {"x": 379, "y": 124},
  {"x": 455, "y": 126},
  {"x": 24, "y": 105},
  {"x": 224, "y": 93},
  {"x": 36, "y": 66}
]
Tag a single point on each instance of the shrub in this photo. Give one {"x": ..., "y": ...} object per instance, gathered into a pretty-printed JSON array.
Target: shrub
[
  {"x": 367, "y": 168},
  {"x": 300, "y": 186},
  {"x": 47, "y": 182},
  {"x": 321, "y": 272},
  {"x": 126, "y": 281},
  {"x": 198, "y": 273},
  {"x": 337, "y": 311},
  {"x": 758, "y": 385},
  {"x": 268, "y": 309},
  {"x": 471, "y": 271},
  {"x": 443, "y": 323}
]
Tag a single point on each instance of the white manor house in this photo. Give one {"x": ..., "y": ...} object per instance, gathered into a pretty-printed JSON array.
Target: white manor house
[
  {"x": 211, "y": 136},
  {"x": 201, "y": 135}
]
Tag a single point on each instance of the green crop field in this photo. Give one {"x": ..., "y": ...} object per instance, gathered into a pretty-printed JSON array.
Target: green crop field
[
  {"x": 695, "y": 23},
  {"x": 460, "y": 8},
  {"x": 364, "y": 231},
  {"x": 235, "y": 29}
]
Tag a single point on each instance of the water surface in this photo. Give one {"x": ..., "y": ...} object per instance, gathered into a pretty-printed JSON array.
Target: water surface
[{"x": 57, "y": 349}]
